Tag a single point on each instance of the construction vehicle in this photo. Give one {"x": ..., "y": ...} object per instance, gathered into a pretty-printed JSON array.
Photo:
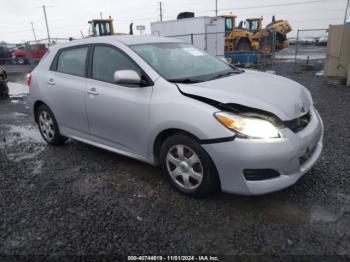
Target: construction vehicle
[
  {"x": 250, "y": 35},
  {"x": 103, "y": 27},
  {"x": 236, "y": 39}
]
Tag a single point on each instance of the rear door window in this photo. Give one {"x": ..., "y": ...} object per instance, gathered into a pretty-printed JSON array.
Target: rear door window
[{"x": 72, "y": 61}]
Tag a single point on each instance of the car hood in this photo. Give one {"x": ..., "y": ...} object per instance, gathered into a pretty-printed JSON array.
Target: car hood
[{"x": 278, "y": 95}]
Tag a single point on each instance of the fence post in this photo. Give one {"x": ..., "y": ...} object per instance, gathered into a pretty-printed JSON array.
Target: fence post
[
  {"x": 296, "y": 51},
  {"x": 274, "y": 42},
  {"x": 29, "y": 54},
  {"x": 192, "y": 39}
]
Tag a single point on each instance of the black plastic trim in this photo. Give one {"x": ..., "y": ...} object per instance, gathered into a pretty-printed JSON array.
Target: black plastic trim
[
  {"x": 217, "y": 140},
  {"x": 260, "y": 174}
]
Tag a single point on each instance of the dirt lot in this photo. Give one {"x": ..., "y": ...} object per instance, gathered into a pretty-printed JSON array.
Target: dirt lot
[{"x": 81, "y": 200}]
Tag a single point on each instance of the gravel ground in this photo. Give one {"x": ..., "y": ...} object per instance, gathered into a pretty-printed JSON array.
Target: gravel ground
[{"x": 80, "y": 200}]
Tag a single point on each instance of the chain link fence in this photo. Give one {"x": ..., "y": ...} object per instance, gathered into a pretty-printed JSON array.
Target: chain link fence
[
  {"x": 214, "y": 44},
  {"x": 307, "y": 50},
  {"x": 309, "y": 47}
]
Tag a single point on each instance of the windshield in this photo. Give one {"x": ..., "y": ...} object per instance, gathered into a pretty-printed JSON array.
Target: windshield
[{"x": 180, "y": 62}]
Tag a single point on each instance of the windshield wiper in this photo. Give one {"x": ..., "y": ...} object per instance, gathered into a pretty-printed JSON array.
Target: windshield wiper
[
  {"x": 235, "y": 71},
  {"x": 184, "y": 81}
]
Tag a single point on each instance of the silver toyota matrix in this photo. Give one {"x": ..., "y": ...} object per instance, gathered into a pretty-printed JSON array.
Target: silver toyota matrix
[{"x": 208, "y": 125}]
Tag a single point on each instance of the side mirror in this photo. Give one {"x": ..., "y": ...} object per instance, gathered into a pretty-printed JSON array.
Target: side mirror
[{"x": 127, "y": 77}]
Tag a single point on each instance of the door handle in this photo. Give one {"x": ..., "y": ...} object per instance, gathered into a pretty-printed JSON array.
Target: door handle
[
  {"x": 51, "y": 82},
  {"x": 92, "y": 91}
]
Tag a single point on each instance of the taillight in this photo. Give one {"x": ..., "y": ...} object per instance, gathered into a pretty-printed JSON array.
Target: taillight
[{"x": 29, "y": 79}]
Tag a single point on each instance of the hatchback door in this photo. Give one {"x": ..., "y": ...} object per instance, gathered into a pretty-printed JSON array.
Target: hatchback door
[
  {"x": 118, "y": 115},
  {"x": 66, "y": 84}
]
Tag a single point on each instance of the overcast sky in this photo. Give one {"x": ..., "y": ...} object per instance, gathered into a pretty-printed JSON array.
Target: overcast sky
[{"x": 67, "y": 18}]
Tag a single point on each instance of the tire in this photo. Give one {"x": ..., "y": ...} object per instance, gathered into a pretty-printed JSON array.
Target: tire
[
  {"x": 265, "y": 45},
  {"x": 244, "y": 45},
  {"x": 48, "y": 126},
  {"x": 4, "y": 90},
  {"x": 21, "y": 60},
  {"x": 193, "y": 172}
]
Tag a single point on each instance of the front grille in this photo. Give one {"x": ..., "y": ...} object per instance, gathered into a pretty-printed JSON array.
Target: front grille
[
  {"x": 260, "y": 174},
  {"x": 298, "y": 124}
]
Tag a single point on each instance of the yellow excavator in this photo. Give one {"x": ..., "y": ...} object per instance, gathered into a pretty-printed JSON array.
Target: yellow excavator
[
  {"x": 250, "y": 35},
  {"x": 102, "y": 27}
]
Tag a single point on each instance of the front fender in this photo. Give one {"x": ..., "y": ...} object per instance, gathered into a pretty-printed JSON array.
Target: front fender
[{"x": 170, "y": 109}]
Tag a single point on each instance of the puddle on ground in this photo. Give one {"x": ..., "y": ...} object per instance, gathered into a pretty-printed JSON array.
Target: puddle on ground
[
  {"x": 17, "y": 89},
  {"x": 286, "y": 212},
  {"x": 321, "y": 215},
  {"x": 22, "y": 134},
  {"x": 37, "y": 167},
  {"x": 18, "y": 157},
  {"x": 17, "y": 135},
  {"x": 20, "y": 114},
  {"x": 16, "y": 101}
]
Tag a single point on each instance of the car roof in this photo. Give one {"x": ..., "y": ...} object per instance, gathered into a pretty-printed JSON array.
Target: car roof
[{"x": 125, "y": 39}]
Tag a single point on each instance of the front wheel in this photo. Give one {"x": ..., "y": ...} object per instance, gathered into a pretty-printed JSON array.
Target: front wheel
[
  {"x": 188, "y": 166},
  {"x": 48, "y": 126}
]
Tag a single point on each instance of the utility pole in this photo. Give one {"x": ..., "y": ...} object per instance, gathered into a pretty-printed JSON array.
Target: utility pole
[
  {"x": 33, "y": 31},
  {"x": 346, "y": 11},
  {"x": 216, "y": 7},
  {"x": 101, "y": 15},
  {"x": 47, "y": 25},
  {"x": 161, "y": 11}
]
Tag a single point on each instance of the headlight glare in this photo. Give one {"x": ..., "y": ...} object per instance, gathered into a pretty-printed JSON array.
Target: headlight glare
[{"x": 248, "y": 127}]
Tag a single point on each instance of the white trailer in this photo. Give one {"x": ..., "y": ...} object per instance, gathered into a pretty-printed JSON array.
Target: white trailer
[{"x": 206, "y": 33}]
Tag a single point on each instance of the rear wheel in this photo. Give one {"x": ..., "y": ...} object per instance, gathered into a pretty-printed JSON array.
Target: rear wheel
[
  {"x": 188, "y": 166},
  {"x": 48, "y": 126}
]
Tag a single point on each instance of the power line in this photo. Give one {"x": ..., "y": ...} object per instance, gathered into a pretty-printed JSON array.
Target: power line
[
  {"x": 274, "y": 5},
  {"x": 266, "y": 6},
  {"x": 204, "y": 11}
]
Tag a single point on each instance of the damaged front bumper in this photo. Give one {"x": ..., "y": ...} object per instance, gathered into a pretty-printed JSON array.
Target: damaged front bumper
[{"x": 290, "y": 157}]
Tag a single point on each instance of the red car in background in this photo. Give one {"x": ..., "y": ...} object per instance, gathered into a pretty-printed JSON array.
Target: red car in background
[{"x": 22, "y": 54}]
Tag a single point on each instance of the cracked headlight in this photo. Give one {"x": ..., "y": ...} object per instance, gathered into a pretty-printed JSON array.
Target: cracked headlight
[{"x": 248, "y": 127}]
